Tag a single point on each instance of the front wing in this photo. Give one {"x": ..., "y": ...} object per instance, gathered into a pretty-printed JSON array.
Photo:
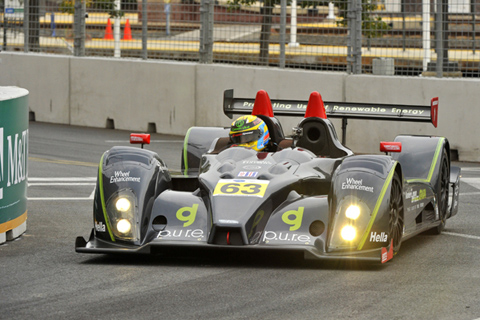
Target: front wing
[{"x": 94, "y": 245}]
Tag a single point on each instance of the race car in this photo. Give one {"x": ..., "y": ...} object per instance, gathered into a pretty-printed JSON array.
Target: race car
[{"x": 308, "y": 193}]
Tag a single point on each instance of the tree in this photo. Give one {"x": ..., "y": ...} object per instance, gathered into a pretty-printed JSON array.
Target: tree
[
  {"x": 68, "y": 6},
  {"x": 372, "y": 26}
]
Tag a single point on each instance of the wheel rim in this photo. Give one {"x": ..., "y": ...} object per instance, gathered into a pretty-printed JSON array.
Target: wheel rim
[{"x": 396, "y": 217}]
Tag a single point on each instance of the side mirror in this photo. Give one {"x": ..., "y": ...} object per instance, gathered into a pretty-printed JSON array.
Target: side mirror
[
  {"x": 140, "y": 138},
  {"x": 390, "y": 146}
]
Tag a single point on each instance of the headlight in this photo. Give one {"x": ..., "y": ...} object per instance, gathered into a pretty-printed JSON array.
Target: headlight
[
  {"x": 351, "y": 219},
  {"x": 122, "y": 213},
  {"x": 124, "y": 226},
  {"x": 353, "y": 212},
  {"x": 123, "y": 204},
  {"x": 348, "y": 233}
]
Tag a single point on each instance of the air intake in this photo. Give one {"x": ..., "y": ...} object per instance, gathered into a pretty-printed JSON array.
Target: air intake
[{"x": 227, "y": 236}]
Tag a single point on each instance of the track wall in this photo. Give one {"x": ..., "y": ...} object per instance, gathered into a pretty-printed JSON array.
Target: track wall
[{"x": 173, "y": 96}]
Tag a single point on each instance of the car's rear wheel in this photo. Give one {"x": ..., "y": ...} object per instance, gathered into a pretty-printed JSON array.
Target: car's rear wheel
[
  {"x": 442, "y": 195},
  {"x": 396, "y": 221}
]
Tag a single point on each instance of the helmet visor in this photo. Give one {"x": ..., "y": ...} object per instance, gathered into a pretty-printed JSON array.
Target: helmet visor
[{"x": 245, "y": 137}]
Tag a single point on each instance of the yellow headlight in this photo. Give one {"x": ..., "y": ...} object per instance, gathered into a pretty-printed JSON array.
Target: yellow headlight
[
  {"x": 353, "y": 212},
  {"x": 124, "y": 226},
  {"x": 123, "y": 204},
  {"x": 348, "y": 233}
]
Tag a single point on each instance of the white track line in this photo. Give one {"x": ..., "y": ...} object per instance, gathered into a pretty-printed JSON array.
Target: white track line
[
  {"x": 59, "y": 199},
  {"x": 63, "y": 181},
  {"x": 461, "y": 235},
  {"x": 474, "y": 182},
  {"x": 470, "y": 169},
  {"x": 470, "y": 194},
  {"x": 62, "y": 184}
]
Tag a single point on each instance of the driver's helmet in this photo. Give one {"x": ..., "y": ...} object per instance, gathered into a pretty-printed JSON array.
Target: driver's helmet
[{"x": 251, "y": 132}]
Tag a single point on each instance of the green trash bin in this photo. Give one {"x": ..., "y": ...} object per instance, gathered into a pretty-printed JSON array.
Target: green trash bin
[{"x": 13, "y": 162}]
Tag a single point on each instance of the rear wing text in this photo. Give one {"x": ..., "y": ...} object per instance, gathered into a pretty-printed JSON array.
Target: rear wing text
[{"x": 343, "y": 110}]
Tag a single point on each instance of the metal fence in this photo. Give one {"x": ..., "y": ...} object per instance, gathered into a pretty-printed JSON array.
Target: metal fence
[{"x": 390, "y": 37}]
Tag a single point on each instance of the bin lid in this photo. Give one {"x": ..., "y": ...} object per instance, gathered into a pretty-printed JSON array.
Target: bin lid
[{"x": 7, "y": 93}]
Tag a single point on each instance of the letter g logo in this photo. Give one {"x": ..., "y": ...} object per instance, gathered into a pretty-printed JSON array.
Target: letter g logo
[
  {"x": 190, "y": 218},
  {"x": 293, "y": 218}
]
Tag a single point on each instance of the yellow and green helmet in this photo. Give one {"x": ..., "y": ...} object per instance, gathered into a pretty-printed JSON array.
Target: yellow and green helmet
[{"x": 250, "y": 132}]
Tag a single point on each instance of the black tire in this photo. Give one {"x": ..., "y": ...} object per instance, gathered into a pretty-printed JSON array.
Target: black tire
[
  {"x": 442, "y": 193},
  {"x": 396, "y": 216}
]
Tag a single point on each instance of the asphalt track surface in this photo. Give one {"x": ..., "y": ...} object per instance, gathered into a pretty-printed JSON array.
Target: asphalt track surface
[{"x": 432, "y": 277}]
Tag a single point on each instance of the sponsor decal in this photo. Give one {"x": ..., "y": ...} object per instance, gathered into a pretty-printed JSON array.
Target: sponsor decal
[
  {"x": 374, "y": 110},
  {"x": 252, "y": 167},
  {"x": 285, "y": 236},
  {"x": 416, "y": 196},
  {"x": 252, "y": 174},
  {"x": 361, "y": 109},
  {"x": 356, "y": 109},
  {"x": 136, "y": 138},
  {"x": 228, "y": 221},
  {"x": 281, "y": 106},
  {"x": 241, "y": 134},
  {"x": 190, "y": 217},
  {"x": 182, "y": 233},
  {"x": 422, "y": 194},
  {"x": 407, "y": 111},
  {"x": 415, "y": 207},
  {"x": 255, "y": 162},
  {"x": 13, "y": 165},
  {"x": 353, "y": 184},
  {"x": 293, "y": 218},
  {"x": 409, "y": 194},
  {"x": 238, "y": 187},
  {"x": 99, "y": 226},
  {"x": 121, "y": 176},
  {"x": 381, "y": 237},
  {"x": 276, "y": 105},
  {"x": 387, "y": 255},
  {"x": 392, "y": 147},
  {"x": 243, "y": 124},
  {"x": 240, "y": 123}
]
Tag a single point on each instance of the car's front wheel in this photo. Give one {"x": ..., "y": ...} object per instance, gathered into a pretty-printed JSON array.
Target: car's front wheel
[
  {"x": 442, "y": 195},
  {"x": 396, "y": 221}
]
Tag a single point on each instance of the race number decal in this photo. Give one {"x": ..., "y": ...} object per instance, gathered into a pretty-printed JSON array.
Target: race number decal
[{"x": 238, "y": 187}]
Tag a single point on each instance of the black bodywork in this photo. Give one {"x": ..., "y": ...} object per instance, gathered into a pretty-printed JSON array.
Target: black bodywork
[{"x": 294, "y": 198}]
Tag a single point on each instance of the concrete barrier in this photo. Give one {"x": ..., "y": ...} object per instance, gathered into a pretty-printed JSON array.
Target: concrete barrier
[
  {"x": 13, "y": 162},
  {"x": 133, "y": 94},
  {"x": 169, "y": 97}
]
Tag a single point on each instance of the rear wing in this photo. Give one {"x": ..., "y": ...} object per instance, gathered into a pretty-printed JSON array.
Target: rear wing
[{"x": 343, "y": 110}]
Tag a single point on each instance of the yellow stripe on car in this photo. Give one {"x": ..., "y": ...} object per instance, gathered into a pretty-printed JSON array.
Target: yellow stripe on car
[{"x": 377, "y": 206}]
